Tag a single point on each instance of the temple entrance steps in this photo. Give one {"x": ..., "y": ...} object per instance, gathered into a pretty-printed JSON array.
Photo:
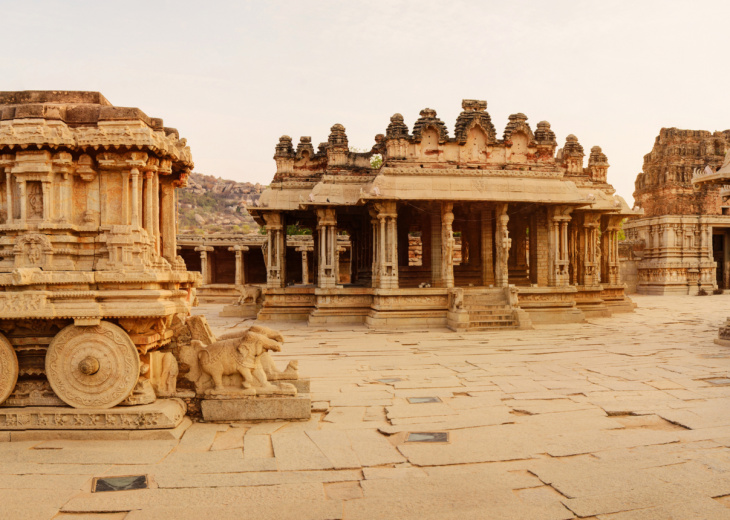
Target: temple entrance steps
[
  {"x": 491, "y": 317},
  {"x": 485, "y": 308}
]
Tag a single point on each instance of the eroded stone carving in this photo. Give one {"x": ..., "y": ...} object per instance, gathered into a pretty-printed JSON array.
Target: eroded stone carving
[
  {"x": 92, "y": 367},
  {"x": 8, "y": 368},
  {"x": 237, "y": 364},
  {"x": 89, "y": 273}
]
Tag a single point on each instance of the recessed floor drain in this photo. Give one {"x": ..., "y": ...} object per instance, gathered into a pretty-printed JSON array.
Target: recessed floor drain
[
  {"x": 428, "y": 437},
  {"x": 423, "y": 400},
  {"x": 119, "y": 483},
  {"x": 389, "y": 380}
]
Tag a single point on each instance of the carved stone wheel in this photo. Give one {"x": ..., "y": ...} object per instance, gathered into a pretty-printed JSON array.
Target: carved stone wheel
[
  {"x": 8, "y": 368},
  {"x": 92, "y": 367}
]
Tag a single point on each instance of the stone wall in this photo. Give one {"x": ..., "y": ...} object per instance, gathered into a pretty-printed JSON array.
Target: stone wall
[{"x": 630, "y": 252}]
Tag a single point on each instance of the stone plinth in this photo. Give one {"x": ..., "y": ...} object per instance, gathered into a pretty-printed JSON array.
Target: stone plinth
[
  {"x": 162, "y": 414},
  {"x": 257, "y": 408},
  {"x": 244, "y": 310},
  {"x": 549, "y": 305}
]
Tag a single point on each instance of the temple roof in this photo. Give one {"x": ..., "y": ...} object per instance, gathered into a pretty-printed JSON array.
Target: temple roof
[{"x": 77, "y": 120}]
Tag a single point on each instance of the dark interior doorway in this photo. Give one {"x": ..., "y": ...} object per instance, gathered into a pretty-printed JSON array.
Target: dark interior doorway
[{"x": 718, "y": 255}]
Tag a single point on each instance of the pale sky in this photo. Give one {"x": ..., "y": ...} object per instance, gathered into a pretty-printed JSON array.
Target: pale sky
[{"x": 234, "y": 76}]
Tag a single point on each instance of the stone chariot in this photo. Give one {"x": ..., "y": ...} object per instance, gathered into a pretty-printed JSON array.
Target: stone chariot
[{"x": 90, "y": 280}]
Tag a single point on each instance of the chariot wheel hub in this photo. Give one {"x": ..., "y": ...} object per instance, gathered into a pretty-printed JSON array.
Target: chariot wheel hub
[{"x": 92, "y": 367}]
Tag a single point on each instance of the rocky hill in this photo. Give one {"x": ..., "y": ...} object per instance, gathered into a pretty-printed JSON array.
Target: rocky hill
[{"x": 212, "y": 205}]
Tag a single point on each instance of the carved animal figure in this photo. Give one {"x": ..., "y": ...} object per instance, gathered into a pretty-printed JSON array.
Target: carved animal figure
[
  {"x": 166, "y": 384},
  {"x": 249, "y": 294},
  {"x": 238, "y": 355},
  {"x": 272, "y": 373}
]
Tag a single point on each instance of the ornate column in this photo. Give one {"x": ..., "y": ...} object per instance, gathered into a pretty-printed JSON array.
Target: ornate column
[
  {"x": 167, "y": 223},
  {"x": 503, "y": 244},
  {"x": 23, "y": 201},
  {"x": 328, "y": 253},
  {"x": 588, "y": 266},
  {"x": 275, "y": 250},
  {"x": 149, "y": 203},
  {"x": 609, "y": 250},
  {"x": 9, "y": 195},
  {"x": 67, "y": 202},
  {"x": 305, "y": 264},
  {"x": 125, "y": 198},
  {"x": 447, "y": 244},
  {"x": 156, "y": 212},
  {"x": 203, "y": 250},
  {"x": 134, "y": 173},
  {"x": 387, "y": 244},
  {"x": 436, "y": 248},
  {"x": 559, "y": 217},
  {"x": 487, "y": 259},
  {"x": 375, "y": 225},
  {"x": 47, "y": 203},
  {"x": 240, "y": 273}
]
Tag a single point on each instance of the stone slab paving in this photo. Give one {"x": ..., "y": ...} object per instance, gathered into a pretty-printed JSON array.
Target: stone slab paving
[{"x": 623, "y": 418}]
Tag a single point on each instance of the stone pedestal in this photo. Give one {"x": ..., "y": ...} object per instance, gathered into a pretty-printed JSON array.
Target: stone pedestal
[
  {"x": 244, "y": 310},
  {"x": 257, "y": 408},
  {"x": 161, "y": 415}
]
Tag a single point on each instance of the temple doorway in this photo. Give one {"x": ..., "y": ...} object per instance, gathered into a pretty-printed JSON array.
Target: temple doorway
[{"x": 721, "y": 256}]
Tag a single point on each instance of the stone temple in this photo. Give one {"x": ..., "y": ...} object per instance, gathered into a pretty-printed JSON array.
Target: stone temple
[
  {"x": 535, "y": 229},
  {"x": 90, "y": 279},
  {"x": 684, "y": 233},
  {"x": 94, "y": 298}
]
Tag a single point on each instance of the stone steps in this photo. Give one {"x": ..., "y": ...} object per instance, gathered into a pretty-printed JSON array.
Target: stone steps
[{"x": 491, "y": 317}]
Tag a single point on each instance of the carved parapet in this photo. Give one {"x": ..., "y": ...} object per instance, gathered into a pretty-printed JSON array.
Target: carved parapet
[
  {"x": 284, "y": 155},
  {"x": 597, "y": 165},
  {"x": 428, "y": 119},
  {"x": 474, "y": 113},
  {"x": 573, "y": 155}
]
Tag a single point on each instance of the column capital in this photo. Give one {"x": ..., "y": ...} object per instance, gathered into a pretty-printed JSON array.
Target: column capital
[{"x": 326, "y": 216}]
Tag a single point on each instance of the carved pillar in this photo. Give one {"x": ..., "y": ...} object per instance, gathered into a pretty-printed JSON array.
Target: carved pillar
[
  {"x": 609, "y": 250},
  {"x": 589, "y": 265},
  {"x": 386, "y": 245},
  {"x": 436, "y": 249},
  {"x": 204, "y": 268},
  {"x": 447, "y": 244},
  {"x": 559, "y": 262},
  {"x": 275, "y": 250},
  {"x": 47, "y": 205},
  {"x": 125, "y": 198},
  {"x": 134, "y": 173},
  {"x": 23, "y": 201},
  {"x": 167, "y": 222},
  {"x": 149, "y": 203},
  {"x": 67, "y": 202},
  {"x": 503, "y": 244},
  {"x": 375, "y": 225},
  {"x": 9, "y": 195},
  {"x": 156, "y": 212},
  {"x": 328, "y": 254},
  {"x": 305, "y": 265},
  {"x": 240, "y": 278}
]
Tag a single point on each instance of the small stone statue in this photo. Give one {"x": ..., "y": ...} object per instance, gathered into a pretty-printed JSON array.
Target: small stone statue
[{"x": 238, "y": 364}]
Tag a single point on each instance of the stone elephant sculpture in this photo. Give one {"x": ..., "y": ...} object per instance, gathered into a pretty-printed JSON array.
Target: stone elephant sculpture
[
  {"x": 272, "y": 373},
  {"x": 238, "y": 355}
]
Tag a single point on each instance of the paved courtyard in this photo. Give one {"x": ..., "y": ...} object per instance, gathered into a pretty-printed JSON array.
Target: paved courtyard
[{"x": 624, "y": 418}]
